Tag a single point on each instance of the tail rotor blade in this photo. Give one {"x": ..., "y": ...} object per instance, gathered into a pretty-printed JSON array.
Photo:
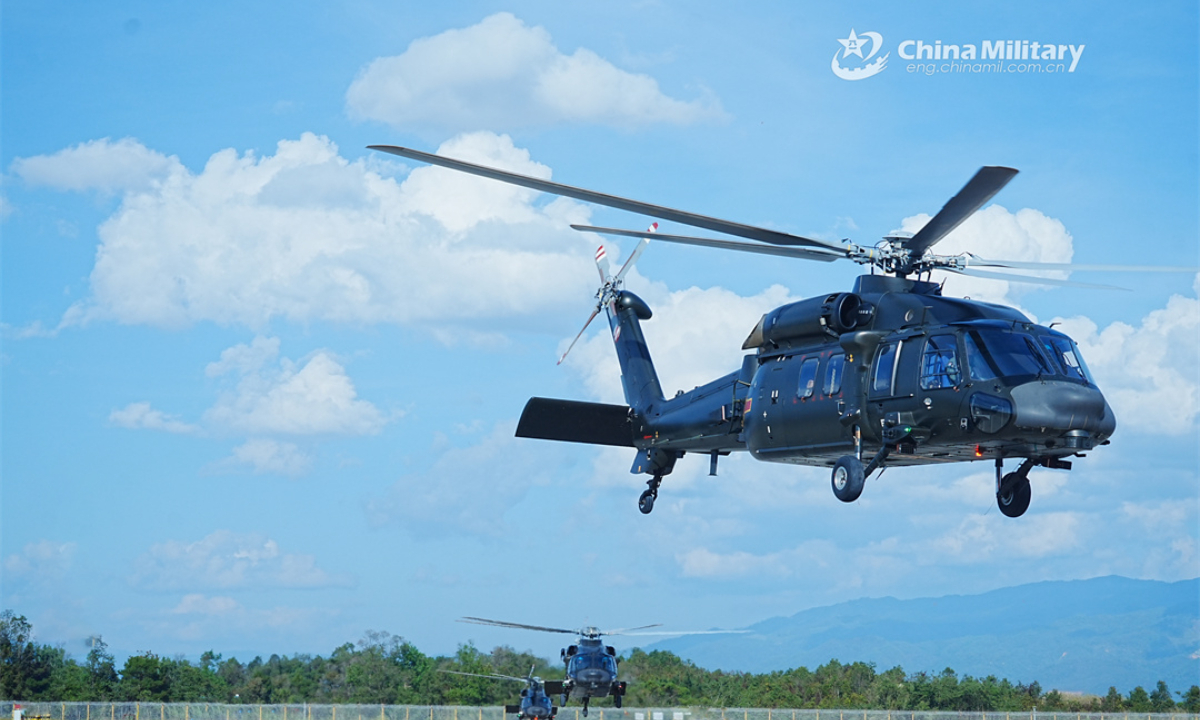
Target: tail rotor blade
[
  {"x": 581, "y": 332},
  {"x": 602, "y": 263},
  {"x": 637, "y": 252}
]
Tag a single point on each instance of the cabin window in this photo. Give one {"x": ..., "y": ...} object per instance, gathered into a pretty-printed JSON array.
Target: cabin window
[
  {"x": 808, "y": 378},
  {"x": 1066, "y": 353},
  {"x": 998, "y": 353},
  {"x": 833, "y": 374},
  {"x": 939, "y": 363},
  {"x": 885, "y": 369}
]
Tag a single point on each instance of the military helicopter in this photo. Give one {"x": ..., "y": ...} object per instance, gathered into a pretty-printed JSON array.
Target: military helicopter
[
  {"x": 535, "y": 698},
  {"x": 892, "y": 373},
  {"x": 591, "y": 665}
]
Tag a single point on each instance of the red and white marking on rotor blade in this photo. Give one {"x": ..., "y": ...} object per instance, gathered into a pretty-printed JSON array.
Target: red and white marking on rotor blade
[
  {"x": 637, "y": 252},
  {"x": 602, "y": 263}
]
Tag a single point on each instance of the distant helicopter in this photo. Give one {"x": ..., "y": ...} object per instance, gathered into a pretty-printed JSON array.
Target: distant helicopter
[
  {"x": 535, "y": 698},
  {"x": 892, "y": 373},
  {"x": 591, "y": 665}
]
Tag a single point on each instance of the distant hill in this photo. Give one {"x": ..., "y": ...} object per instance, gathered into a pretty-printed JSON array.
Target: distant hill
[{"x": 1082, "y": 635}]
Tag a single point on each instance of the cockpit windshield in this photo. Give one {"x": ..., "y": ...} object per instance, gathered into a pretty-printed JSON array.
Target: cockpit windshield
[
  {"x": 592, "y": 660},
  {"x": 1000, "y": 353}
]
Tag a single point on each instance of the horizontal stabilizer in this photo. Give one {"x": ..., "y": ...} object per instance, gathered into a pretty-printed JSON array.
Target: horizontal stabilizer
[
  {"x": 554, "y": 687},
  {"x": 512, "y": 709},
  {"x": 573, "y": 421}
]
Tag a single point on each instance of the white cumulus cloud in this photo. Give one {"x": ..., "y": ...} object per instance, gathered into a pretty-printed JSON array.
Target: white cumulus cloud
[
  {"x": 272, "y": 457},
  {"x": 1147, "y": 372},
  {"x": 42, "y": 559},
  {"x": 503, "y": 74},
  {"x": 305, "y": 235},
  {"x": 313, "y": 397},
  {"x": 225, "y": 559},
  {"x": 140, "y": 415},
  {"x": 994, "y": 233},
  {"x": 102, "y": 165}
]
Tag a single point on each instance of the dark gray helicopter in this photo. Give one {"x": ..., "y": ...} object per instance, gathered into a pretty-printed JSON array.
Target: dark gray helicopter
[
  {"x": 892, "y": 373},
  {"x": 535, "y": 701}
]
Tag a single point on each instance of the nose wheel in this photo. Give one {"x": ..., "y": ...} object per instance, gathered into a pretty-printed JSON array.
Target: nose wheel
[{"x": 646, "y": 501}]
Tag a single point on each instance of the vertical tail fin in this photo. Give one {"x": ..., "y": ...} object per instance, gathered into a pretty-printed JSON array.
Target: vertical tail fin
[{"x": 638, "y": 377}]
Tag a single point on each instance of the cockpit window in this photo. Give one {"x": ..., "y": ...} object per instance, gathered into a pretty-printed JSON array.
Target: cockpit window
[
  {"x": 592, "y": 660},
  {"x": 998, "y": 353},
  {"x": 885, "y": 366},
  {"x": 1067, "y": 355},
  {"x": 939, "y": 363}
]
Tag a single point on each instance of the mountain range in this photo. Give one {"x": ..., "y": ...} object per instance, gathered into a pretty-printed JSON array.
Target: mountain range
[{"x": 1073, "y": 636}]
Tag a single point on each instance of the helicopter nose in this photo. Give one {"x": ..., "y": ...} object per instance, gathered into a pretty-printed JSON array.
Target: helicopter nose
[
  {"x": 1070, "y": 407},
  {"x": 593, "y": 676}
]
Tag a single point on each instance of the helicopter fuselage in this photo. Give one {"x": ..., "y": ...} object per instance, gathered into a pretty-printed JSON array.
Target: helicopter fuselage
[
  {"x": 893, "y": 364},
  {"x": 591, "y": 669}
]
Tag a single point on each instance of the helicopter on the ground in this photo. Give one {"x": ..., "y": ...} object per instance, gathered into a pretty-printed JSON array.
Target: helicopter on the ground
[
  {"x": 535, "y": 701},
  {"x": 591, "y": 665},
  {"x": 892, "y": 373}
]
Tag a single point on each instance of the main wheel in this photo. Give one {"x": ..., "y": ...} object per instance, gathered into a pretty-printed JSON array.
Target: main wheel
[
  {"x": 646, "y": 502},
  {"x": 617, "y": 700},
  {"x": 1015, "y": 493},
  {"x": 848, "y": 478}
]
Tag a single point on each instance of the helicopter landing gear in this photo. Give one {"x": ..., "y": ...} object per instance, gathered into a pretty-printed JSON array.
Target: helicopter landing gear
[
  {"x": 646, "y": 501},
  {"x": 1012, "y": 490},
  {"x": 585, "y": 704},
  {"x": 848, "y": 478},
  {"x": 617, "y": 699}
]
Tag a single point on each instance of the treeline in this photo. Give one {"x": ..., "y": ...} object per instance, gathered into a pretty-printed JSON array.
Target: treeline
[{"x": 384, "y": 669}]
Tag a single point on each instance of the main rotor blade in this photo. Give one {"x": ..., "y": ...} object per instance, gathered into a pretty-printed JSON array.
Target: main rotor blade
[
  {"x": 629, "y": 631},
  {"x": 1027, "y": 279},
  {"x": 793, "y": 252},
  {"x": 480, "y": 675},
  {"x": 975, "y": 261},
  {"x": 684, "y": 632},
  {"x": 773, "y": 237},
  {"x": 978, "y": 190},
  {"x": 581, "y": 332},
  {"x": 519, "y": 626}
]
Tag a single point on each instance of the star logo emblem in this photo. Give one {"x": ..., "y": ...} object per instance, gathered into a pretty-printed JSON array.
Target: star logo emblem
[{"x": 853, "y": 45}]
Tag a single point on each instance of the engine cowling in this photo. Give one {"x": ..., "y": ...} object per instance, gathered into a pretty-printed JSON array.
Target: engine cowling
[{"x": 829, "y": 315}]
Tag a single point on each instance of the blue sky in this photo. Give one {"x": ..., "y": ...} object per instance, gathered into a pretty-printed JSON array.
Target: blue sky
[{"x": 260, "y": 384}]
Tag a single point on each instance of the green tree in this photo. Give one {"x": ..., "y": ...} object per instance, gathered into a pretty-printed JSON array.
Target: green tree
[
  {"x": 144, "y": 679},
  {"x": 1112, "y": 702},
  {"x": 1190, "y": 700},
  {"x": 1139, "y": 700},
  {"x": 102, "y": 673},
  {"x": 1161, "y": 700},
  {"x": 26, "y": 669}
]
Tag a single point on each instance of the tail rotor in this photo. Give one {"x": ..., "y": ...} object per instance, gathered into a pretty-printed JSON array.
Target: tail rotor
[{"x": 611, "y": 283}]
